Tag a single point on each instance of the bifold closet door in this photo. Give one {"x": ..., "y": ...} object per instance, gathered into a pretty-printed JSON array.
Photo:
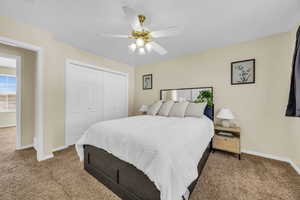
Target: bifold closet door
[
  {"x": 115, "y": 96},
  {"x": 84, "y": 100}
]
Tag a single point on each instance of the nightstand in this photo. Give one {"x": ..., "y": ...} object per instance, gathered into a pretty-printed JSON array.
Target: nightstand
[{"x": 230, "y": 143}]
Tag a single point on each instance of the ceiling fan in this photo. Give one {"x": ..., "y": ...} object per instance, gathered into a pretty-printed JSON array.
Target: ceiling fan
[{"x": 143, "y": 36}]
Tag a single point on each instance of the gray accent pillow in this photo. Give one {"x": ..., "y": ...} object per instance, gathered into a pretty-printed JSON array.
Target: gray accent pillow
[
  {"x": 154, "y": 108},
  {"x": 165, "y": 108},
  {"x": 178, "y": 109},
  {"x": 195, "y": 109}
]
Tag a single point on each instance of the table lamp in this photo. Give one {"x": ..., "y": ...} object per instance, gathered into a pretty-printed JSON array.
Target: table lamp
[
  {"x": 225, "y": 115},
  {"x": 143, "y": 109}
]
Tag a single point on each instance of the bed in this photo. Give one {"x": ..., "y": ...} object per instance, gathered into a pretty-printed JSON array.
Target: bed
[{"x": 146, "y": 167}]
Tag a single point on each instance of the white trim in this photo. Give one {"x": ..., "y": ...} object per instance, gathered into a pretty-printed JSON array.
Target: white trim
[
  {"x": 265, "y": 155},
  {"x": 70, "y": 61},
  {"x": 46, "y": 157},
  {"x": 19, "y": 102},
  {"x": 39, "y": 107},
  {"x": 25, "y": 147},
  {"x": 60, "y": 148},
  {"x": 39, "y": 123},
  {"x": 270, "y": 156},
  {"x": 15, "y": 43},
  {"x": 35, "y": 146},
  {"x": 295, "y": 167}
]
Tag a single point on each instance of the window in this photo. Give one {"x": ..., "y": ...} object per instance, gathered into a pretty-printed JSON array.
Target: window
[{"x": 7, "y": 93}]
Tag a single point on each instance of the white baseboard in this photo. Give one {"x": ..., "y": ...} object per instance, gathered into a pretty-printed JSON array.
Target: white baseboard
[
  {"x": 295, "y": 167},
  {"x": 25, "y": 147},
  {"x": 270, "y": 156},
  {"x": 35, "y": 143},
  {"x": 265, "y": 155},
  {"x": 60, "y": 148},
  {"x": 46, "y": 157}
]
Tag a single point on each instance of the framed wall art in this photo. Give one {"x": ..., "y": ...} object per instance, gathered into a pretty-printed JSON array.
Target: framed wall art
[
  {"x": 147, "y": 82},
  {"x": 243, "y": 72}
]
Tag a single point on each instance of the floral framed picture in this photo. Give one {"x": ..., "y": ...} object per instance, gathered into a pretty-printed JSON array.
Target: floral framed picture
[
  {"x": 147, "y": 82},
  {"x": 243, "y": 72}
]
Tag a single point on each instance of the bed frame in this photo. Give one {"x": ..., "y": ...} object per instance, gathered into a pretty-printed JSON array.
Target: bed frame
[{"x": 124, "y": 179}]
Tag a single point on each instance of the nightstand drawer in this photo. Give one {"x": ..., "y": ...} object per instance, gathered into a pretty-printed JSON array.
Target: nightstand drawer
[{"x": 231, "y": 144}]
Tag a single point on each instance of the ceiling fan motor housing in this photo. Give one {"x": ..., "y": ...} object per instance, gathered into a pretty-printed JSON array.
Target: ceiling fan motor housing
[
  {"x": 142, "y": 19},
  {"x": 143, "y": 34}
]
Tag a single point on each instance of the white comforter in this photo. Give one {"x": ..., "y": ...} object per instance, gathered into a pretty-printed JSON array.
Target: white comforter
[{"x": 166, "y": 149}]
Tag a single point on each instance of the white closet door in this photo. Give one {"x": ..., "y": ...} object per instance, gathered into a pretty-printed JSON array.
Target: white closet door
[
  {"x": 84, "y": 100},
  {"x": 115, "y": 96}
]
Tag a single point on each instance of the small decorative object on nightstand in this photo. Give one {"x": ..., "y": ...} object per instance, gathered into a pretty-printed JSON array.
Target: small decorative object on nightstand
[
  {"x": 227, "y": 139},
  {"x": 143, "y": 109},
  {"x": 225, "y": 115}
]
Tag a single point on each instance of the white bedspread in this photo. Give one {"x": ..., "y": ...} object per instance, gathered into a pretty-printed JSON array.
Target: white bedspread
[{"x": 166, "y": 149}]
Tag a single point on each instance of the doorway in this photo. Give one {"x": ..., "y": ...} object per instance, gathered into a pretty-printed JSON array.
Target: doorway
[{"x": 10, "y": 101}]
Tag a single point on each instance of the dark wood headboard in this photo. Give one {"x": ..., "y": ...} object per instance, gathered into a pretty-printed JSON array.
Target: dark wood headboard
[{"x": 190, "y": 94}]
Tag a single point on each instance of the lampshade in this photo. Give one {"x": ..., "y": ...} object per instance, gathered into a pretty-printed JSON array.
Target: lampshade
[
  {"x": 143, "y": 108},
  {"x": 225, "y": 114}
]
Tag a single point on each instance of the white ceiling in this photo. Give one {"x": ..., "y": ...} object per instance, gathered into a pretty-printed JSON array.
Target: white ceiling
[{"x": 206, "y": 23}]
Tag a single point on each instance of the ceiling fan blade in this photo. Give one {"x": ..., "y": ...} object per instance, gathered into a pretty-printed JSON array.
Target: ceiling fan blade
[
  {"x": 159, "y": 49},
  {"x": 171, "y": 31},
  {"x": 133, "y": 18},
  {"x": 114, "y": 35}
]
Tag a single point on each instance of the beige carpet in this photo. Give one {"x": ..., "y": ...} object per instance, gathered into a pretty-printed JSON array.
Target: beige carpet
[{"x": 60, "y": 178}]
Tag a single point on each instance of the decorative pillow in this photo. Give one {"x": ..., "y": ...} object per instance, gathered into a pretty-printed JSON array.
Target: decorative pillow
[
  {"x": 195, "y": 109},
  {"x": 154, "y": 108},
  {"x": 165, "y": 108},
  {"x": 178, "y": 109}
]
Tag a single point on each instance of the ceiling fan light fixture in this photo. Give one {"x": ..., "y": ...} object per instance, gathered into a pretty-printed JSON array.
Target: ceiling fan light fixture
[
  {"x": 140, "y": 42},
  {"x": 132, "y": 47},
  {"x": 142, "y": 51},
  {"x": 148, "y": 47}
]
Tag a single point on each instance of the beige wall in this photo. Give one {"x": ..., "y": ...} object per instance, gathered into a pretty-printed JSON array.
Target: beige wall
[
  {"x": 55, "y": 55},
  {"x": 28, "y": 66},
  {"x": 7, "y": 118},
  {"x": 259, "y": 108}
]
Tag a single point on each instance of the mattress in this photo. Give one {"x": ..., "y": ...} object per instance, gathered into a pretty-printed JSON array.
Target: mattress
[{"x": 166, "y": 149}]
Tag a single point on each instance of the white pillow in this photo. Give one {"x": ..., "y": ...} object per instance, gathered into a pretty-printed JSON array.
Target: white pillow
[
  {"x": 154, "y": 108},
  {"x": 195, "y": 109},
  {"x": 178, "y": 109},
  {"x": 165, "y": 108}
]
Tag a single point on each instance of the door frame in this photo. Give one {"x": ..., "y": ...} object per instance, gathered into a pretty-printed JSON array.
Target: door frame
[
  {"x": 94, "y": 67},
  {"x": 39, "y": 100}
]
